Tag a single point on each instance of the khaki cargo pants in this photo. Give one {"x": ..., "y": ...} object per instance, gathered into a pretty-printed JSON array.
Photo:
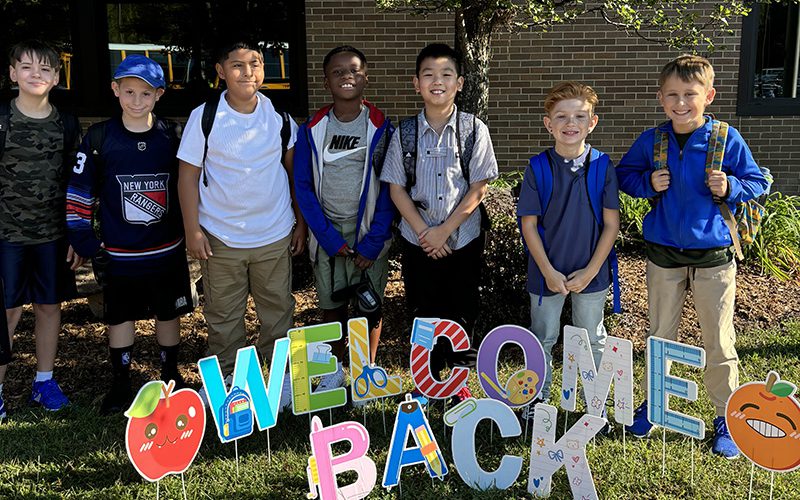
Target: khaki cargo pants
[{"x": 713, "y": 291}]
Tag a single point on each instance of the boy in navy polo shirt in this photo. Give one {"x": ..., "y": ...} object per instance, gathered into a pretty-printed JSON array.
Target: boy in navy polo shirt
[
  {"x": 569, "y": 231},
  {"x": 128, "y": 167}
]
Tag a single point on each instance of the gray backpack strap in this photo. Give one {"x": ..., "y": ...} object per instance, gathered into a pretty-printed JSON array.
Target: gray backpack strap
[
  {"x": 408, "y": 129},
  {"x": 465, "y": 124}
]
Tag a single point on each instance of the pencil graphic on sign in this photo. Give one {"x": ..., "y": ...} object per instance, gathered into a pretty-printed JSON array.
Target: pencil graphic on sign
[{"x": 429, "y": 450}]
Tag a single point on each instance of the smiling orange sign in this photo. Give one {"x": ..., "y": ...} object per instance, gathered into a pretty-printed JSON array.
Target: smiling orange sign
[{"x": 763, "y": 419}]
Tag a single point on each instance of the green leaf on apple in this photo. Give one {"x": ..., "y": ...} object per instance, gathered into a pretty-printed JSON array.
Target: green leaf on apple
[
  {"x": 146, "y": 400},
  {"x": 783, "y": 389}
]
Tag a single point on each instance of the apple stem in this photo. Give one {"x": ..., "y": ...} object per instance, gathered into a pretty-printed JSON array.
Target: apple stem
[
  {"x": 168, "y": 390},
  {"x": 772, "y": 377}
]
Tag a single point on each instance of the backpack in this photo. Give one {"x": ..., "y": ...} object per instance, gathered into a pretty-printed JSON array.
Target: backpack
[
  {"x": 746, "y": 221},
  {"x": 595, "y": 185},
  {"x": 207, "y": 123},
  {"x": 69, "y": 123},
  {"x": 465, "y": 129}
]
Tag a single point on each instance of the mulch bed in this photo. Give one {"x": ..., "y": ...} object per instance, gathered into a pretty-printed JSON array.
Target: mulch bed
[{"x": 82, "y": 367}]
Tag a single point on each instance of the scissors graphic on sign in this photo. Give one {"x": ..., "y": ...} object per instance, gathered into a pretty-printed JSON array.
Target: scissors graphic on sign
[{"x": 370, "y": 375}]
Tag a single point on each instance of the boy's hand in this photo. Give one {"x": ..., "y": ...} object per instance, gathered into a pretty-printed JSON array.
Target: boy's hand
[
  {"x": 345, "y": 251},
  {"x": 75, "y": 259},
  {"x": 659, "y": 179},
  {"x": 362, "y": 262},
  {"x": 442, "y": 252},
  {"x": 433, "y": 239},
  {"x": 717, "y": 182},
  {"x": 579, "y": 280},
  {"x": 556, "y": 282},
  {"x": 299, "y": 236},
  {"x": 197, "y": 245}
]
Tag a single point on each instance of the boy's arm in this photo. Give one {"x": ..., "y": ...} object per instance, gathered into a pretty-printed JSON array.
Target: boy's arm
[
  {"x": 81, "y": 200},
  {"x": 300, "y": 231},
  {"x": 73, "y": 258},
  {"x": 197, "y": 244},
  {"x": 328, "y": 237},
  {"x": 745, "y": 181},
  {"x": 405, "y": 205},
  {"x": 434, "y": 238},
  {"x": 580, "y": 279},
  {"x": 381, "y": 228},
  {"x": 554, "y": 279},
  {"x": 636, "y": 168}
]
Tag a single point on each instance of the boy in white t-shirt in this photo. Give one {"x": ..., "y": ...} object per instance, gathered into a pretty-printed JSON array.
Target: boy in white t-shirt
[{"x": 238, "y": 209}]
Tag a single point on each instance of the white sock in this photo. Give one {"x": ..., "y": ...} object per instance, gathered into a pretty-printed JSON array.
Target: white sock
[{"x": 43, "y": 376}]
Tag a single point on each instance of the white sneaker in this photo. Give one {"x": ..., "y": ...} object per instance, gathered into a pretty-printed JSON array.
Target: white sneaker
[
  {"x": 202, "y": 391},
  {"x": 332, "y": 380},
  {"x": 286, "y": 393}
]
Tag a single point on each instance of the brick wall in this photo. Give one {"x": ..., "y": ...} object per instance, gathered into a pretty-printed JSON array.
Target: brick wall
[{"x": 622, "y": 69}]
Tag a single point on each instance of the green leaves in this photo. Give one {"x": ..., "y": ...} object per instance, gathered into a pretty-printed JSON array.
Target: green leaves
[
  {"x": 146, "y": 400},
  {"x": 783, "y": 389}
]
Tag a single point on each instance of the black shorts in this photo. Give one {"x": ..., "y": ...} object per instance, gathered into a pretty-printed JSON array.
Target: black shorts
[
  {"x": 36, "y": 273},
  {"x": 165, "y": 295}
]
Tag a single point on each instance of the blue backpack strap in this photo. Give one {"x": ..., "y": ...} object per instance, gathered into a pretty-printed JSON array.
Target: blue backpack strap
[
  {"x": 543, "y": 177},
  {"x": 596, "y": 182}
]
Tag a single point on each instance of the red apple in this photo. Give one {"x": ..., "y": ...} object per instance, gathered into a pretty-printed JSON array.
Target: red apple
[{"x": 164, "y": 429}]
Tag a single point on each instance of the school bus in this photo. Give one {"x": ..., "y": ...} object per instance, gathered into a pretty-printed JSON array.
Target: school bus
[{"x": 177, "y": 66}]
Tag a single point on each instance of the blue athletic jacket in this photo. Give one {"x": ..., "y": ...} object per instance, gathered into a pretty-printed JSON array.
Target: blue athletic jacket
[
  {"x": 375, "y": 209},
  {"x": 685, "y": 215}
]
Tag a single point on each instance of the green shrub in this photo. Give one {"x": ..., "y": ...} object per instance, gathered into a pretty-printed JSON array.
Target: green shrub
[
  {"x": 631, "y": 214},
  {"x": 776, "y": 249}
]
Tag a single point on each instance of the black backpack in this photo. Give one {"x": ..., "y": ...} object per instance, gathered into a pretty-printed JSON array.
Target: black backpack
[
  {"x": 70, "y": 124},
  {"x": 465, "y": 129},
  {"x": 207, "y": 123}
]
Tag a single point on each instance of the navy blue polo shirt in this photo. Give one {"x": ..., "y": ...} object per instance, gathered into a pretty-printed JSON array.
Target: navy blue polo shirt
[{"x": 571, "y": 232}]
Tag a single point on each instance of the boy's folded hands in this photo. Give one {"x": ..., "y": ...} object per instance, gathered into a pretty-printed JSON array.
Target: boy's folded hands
[
  {"x": 556, "y": 282},
  {"x": 434, "y": 241}
]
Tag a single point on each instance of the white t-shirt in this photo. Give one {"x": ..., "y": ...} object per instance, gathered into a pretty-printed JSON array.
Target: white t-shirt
[{"x": 247, "y": 203}]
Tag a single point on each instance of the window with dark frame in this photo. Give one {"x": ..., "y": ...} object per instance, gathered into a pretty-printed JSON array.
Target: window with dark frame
[
  {"x": 181, "y": 35},
  {"x": 769, "y": 76}
]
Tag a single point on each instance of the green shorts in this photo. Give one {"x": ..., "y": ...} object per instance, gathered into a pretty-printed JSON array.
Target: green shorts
[{"x": 345, "y": 271}]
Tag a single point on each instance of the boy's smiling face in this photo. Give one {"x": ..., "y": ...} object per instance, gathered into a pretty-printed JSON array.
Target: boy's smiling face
[
  {"x": 243, "y": 72},
  {"x": 438, "y": 81},
  {"x": 33, "y": 75},
  {"x": 136, "y": 97},
  {"x": 346, "y": 77},
  {"x": 570, "y": 122},
  {"x": 685, "y": 102}
]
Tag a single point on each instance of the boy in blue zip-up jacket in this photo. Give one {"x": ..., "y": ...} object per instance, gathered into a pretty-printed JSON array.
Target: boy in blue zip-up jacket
[
  {"x": 338, "y": 158},
  {"x": 569, "y": 218},
  {"x": 687, "y": 242}
]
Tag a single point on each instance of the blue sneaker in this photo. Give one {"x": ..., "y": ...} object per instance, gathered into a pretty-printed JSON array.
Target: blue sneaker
[
  {"x": 723, "y": 445},
  {"x": 49, "y": 395},
  {"x": 641, "y": 426},
  {"x": 2, "y": 409}
]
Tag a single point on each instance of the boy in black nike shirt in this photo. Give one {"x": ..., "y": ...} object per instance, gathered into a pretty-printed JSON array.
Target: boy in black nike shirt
[
  {"x": 126, "y": 174},
  {"x": 337, "y": 162}
]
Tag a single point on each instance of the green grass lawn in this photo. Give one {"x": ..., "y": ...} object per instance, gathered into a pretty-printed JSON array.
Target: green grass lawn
[{"x": 78, "y": 454}]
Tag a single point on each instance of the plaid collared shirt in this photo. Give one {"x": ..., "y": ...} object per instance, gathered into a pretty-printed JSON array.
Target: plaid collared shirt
[{"x": 440, "y": 185}]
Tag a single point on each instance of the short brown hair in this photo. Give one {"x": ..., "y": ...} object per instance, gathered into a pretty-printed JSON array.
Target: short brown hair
[
  {"x": 37, "y": 49},
  {"x": 570, "y": 90},
  {"x": 688, "y": 68}
]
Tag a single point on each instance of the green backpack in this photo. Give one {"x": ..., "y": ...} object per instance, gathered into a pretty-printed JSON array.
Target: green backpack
[{"x": 746, "y": 221}]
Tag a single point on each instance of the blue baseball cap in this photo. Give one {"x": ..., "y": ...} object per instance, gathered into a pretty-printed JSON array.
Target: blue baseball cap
[{"x": 144, "y": 68}]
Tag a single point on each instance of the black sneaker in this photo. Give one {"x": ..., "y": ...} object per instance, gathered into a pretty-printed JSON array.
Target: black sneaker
[{"x": 118, "y": 398}]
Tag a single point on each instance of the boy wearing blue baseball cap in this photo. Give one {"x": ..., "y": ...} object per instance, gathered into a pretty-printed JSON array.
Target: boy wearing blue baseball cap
[{"x": 123, "y": 213}]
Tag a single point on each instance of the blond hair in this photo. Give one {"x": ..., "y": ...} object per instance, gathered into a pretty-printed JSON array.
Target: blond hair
[
  {"x": 688, "y": 68},
  {"x": 570, "y": 90}
]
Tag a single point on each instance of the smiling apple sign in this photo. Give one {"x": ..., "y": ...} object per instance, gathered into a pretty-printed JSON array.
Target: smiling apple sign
[{"x": 164, "y": 429}]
